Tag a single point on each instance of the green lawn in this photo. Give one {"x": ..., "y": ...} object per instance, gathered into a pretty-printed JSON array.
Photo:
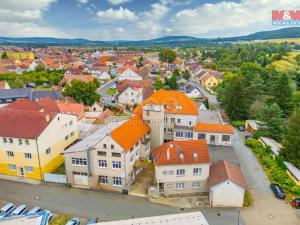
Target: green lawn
[
  {"x": 111, "y": 91},
  {"x": 60, "y": 220}
]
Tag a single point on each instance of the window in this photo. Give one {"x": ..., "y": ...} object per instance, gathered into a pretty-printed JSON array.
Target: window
[
  {"x": 48, "y": 151},
  {"x": 103, "y": 179},
  {"x": 165, "y": 129},
  {"x": 116, "y": 164},
  {"x": 27, "y": 155},
  {"x": 179, "y": 186},
  {"x": 117, "y": 181},
  {"x": 225, "y": 137},
  {"x": 197, "y": 171},
  {"x": 71, "y": 123},
  {"x": 196, "y": 185},
  {"x": 164, "y": 172},
  {"x": 172, "y": 120},
  {"x": 27, "y": 142},
  {"x": 104, "y": 146},
  {"x": 79, "y": 162},
  {"x": 79, "y": 173},
  {"x": 112, "y": 146},
  {"x": 5, "y": 140},
  {"x": 170, "y": 130},
  {"x": 180, "y": 172},
  {"x": 114, "y": 154},
  {"x": 102, "y": 163},
  {"x": 189, "y": 135},
  {"x": 20, "y": 141},
  {"x": 169, "y": 185},
  {"x": 166, "y": 119},
  {"x": 10, "y": 154},
  {"x": 66, "y": 137},
  {"x": 72, "y": 134},
  {"x": 201, "y": 136},
  {"x": 178, "y": 120},
  {"x": 29, "y": 169},
  {"x": 190, "y": 123},
  {"x": 11, "y": 140},
  {"x": 101, "y": 153},
  {"x": 12, "y": 167},
  {"x": 179, "y": 134}
]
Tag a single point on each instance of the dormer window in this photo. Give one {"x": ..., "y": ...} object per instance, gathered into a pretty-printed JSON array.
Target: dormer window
[
  {"x": 181, "y": 156},
  {"x": 195, "y": 155}
]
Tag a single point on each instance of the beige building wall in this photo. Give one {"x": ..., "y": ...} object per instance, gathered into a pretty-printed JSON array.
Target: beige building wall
[
  {"x": 167, "y": 175},
  {"x": 131, "y": 97}
]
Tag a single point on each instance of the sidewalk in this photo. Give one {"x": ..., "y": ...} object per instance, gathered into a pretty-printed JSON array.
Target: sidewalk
[{"x": 20, "y": 179}]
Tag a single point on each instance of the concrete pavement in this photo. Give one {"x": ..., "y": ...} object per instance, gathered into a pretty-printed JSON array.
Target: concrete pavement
[{"x": 102, "y": 91}]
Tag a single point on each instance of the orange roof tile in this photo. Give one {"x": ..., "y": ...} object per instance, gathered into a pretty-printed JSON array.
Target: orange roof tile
[
  {"x": 83, "y": 78},
  {"x": 192, "y": 151},
  {"x": 176, "y": 102},
  {"x": 130, "y": 132},
  {"x": 70, "y": 108},
  {"x": 214, "y": 128}
]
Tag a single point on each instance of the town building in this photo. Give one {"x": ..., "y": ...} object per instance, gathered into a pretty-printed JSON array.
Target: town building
[
  {"x": 106, "y": 159},
  {"x": 33, "y": 135},
  {"x": 181, "y": 167}
]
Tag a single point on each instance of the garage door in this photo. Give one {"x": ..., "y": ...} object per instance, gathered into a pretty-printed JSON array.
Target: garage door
[{"x": 81, "y": 180}]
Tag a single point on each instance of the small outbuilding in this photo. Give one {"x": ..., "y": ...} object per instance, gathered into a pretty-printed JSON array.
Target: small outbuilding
[
  {"x": 251, "y": 126},
  {"x": 227, "y": 185}
]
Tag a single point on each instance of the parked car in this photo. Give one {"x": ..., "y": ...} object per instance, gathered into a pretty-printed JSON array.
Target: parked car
[
  {"x": 35, "y": 210},
  {"x": 241, "y": 128},
  {"x": 91, "y": 221},
  {"x": 277, "y": 190},
  {"x": 73, "y": 221},
  {"x": 49, "y": 215},
  {"x": 6, "y": 210},
  {"x": 20, "y": 210},
  {"x": 296, "y": 203},
  {"x": 248, "y": 136}
]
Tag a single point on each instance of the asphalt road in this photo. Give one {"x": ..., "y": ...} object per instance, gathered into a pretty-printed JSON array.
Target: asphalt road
[
  {"x": 104, "y": 205},
  {"x": 102, "y": 91}
]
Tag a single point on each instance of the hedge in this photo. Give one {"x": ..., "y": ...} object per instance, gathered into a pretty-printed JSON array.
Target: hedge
[{"x": 277, "y": 171}]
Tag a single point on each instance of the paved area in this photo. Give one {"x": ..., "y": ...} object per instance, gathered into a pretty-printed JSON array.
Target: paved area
[
  {"x": 187, "y": 202},
  {"x": 107, "y": 206},
  {"x": 220, "y": 152},
  {"x": 143, "y": 181},
  {"x": 102, "y": 91}
]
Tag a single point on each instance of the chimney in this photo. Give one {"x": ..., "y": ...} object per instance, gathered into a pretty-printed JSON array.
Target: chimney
[
  {"x": 47, "y": 116},
  {"x": 168, "y": 154}
]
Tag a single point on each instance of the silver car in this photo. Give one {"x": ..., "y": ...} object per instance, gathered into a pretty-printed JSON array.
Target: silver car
[
  {"x": 73, "y": 221},
  {"x": 20, "y": 210},
  {"x": 6, "y": 210},
  {"x": 35, "y": 210}
]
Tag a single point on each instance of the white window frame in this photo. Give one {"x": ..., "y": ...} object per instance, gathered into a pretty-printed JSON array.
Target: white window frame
[
  {"x": 117, "y": 181},
  {"x": 79, "y": 162},
  {"x": 12, "y": 167},
  {"x": 103, "y": 178},
  {"x": 102, "y": 163},
  {"x": 10, "y": 154},
  {"x": 197, "y": 171},
  {"x": 180, "y": 186},
  {"x": 196, "y": 185},
  {"x": 27, "y": 154},
  {"x": 28, "y": 169},
  {"x": 116, "y": 164},
  {"x": 180, "y": 172}
]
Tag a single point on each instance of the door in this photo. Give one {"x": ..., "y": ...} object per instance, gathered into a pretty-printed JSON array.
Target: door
[
  {"x": 81, "y": 180},
  {"x": 212, "y": 139},
  {"x": 21, "y": 171}
]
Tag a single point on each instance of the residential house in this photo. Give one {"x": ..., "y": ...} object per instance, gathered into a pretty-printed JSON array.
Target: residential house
[
  {"x": 274, "y": 145},
  {"x": 73, "y": 71},
  {"x": 181, "y": 167},
  {"x": 76, "y": 109},
  {"x": 210, "y": 78},
  {"x": 174, "y": 116},
  {"x": 32, "y": 137},
  {"x": 129, "y": 74},
  {"x": 226, "y": 185},
  {"x": 134, "y": 94},
  {"x": 106, "y": 159},
  {"x": 69, "y": 78},
  {"x": 252, "y": 126},
  {"x": 193, "y": 92}
]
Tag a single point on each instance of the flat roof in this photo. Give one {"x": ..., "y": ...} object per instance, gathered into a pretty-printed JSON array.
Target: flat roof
[
  {"x": 194, "y": 218},
  {"x": 275, "y": 146},
  {"x": 293, "y": 170},
  {"x": 209, "y": 116}
]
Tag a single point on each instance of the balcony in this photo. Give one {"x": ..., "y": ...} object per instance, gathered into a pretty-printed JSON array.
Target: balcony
[{"x": 184, "y": 128}]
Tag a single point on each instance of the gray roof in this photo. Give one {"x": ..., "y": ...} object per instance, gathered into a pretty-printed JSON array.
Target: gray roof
[
  {"x": 16, "y": 93},
  {"x": 91, "y": 140},
  {"x": 39, "y": 94},
  {"x": 210, "y": 116},
  {"x": 293, "y": 170}
]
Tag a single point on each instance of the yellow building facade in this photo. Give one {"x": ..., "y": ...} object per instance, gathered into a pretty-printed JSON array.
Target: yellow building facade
[
  {"x": 31, "y": 158},
  {"x": 20, "y": 55}
]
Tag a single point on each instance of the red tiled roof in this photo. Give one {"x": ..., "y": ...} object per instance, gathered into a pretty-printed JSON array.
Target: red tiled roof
[
  {"x": 130, "y": 132},
  {"x": 214, "y": 128},
  {"x": 194, "y": 152},
  {"x": 48, "y": 104},
  {"x": 70, "y": 108},
  {"x": 22, "y": 124},
  {"x": 223, "y": 171},
  {"x": 24, "y": 104}
]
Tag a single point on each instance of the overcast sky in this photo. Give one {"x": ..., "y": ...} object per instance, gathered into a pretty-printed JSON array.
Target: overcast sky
[{"x": 136, "y": 19}]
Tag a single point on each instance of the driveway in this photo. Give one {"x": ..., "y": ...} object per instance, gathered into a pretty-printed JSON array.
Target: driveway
[{"x": 102, "y": 91}]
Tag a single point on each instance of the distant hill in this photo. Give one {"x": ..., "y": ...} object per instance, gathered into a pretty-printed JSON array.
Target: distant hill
[{"x": 292, "y": 32}]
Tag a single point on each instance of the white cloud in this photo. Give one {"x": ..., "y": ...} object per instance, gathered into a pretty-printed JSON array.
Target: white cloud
[
  {"x": 120, "y": 30},
  {"x": 227, "y": 18},
  {"x": 83, "y": 1},
  {"x": 118, "y": 2},
  {"x": 116, "y": 15}
]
